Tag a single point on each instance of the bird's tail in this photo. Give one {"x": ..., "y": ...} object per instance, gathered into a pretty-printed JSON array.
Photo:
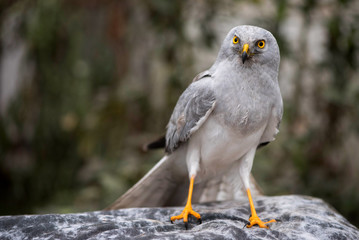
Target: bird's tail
[
  {"x": 157, "y": 188},
  {"x": 161, "y": 186},
  {"x": 224, "y": 188}
]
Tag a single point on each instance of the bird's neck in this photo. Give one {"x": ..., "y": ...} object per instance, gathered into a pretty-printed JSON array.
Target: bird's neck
[{"x": 232, "y": 69}]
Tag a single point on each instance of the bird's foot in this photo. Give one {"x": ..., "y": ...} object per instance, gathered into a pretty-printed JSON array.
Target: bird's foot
[
  {"x": 254, "y": 220},
  {"x": 184, "y": 215}
]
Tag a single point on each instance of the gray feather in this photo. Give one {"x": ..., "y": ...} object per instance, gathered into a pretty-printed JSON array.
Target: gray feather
[
  {"x": 156, "y": 188},
  {"x": 222, "y": 188},
  {"x": 216, "y": 126},
  {"x": 202, "y": 75},
  {"x": 163, "y": 187},
  {"x": 194, "y": 104}
]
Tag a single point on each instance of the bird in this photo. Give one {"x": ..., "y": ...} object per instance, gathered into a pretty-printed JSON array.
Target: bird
[{"x": 220, "y": 120}]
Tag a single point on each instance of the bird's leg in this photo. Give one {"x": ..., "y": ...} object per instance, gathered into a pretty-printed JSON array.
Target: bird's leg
[
  {"x": 188, "y": 208},
  {"x": 254, "y": 219}
]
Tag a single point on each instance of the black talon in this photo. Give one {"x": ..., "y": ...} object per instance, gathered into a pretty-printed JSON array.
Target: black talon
[
  {"x": 171, "y": 221},
  {"x": 186, "y": 225},
  {"x": 246, "y": 224},
  {"x": 199, "y": 221},
  {"x": 278, "y": 220}
]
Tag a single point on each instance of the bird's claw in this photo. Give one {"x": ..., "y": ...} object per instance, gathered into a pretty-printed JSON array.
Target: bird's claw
[
  {"x": 256, "y": 221},
  {"x": 246, "y": 224},
  {"x": 186, "y": 225},
  {"x": 184, "y": 215}
]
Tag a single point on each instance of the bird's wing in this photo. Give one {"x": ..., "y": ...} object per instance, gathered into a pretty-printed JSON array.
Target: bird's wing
[
  {"x": 164, "y": 185},
  {"x": 156, "y": 144},
  {"x": 192, "y": 110},
  {"x": 274, "y": 121},
  {"x": 161, "y": 141}
]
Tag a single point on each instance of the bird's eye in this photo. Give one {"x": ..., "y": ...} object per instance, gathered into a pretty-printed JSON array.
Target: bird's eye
[
  {"x": 235, "y": 40},
  {"x": 261, "y": 43}
]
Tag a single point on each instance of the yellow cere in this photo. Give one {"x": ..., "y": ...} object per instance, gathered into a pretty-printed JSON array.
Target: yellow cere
[
  {"x": 261, "y": 44},
  {"x": 235, "y": 40}
]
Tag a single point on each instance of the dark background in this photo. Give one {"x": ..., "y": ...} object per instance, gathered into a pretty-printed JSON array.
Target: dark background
[{"x": 84, "y": 83}]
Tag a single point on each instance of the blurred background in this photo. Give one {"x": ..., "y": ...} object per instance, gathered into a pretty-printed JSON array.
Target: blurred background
[{"x": 84, "y": 83}]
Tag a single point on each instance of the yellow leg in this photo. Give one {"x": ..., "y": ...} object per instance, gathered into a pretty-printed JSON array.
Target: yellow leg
[
  {"x": 188, "y": 208},
  {"x": 254, "y": 219}
]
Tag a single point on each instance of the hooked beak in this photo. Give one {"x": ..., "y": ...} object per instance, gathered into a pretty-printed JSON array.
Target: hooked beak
[{"x": 245, "y": 52}]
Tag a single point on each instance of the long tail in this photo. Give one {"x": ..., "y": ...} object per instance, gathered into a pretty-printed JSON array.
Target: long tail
[
  {"x": 157, "y": 188},
  {"x": 223, "y": 188},
  {"x": 161, "y": 187}
]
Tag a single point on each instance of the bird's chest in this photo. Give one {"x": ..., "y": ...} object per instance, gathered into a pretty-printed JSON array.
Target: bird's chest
[{"x": 243, "y": 108}]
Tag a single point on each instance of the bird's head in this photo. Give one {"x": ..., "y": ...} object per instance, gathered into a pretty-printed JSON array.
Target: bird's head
[{"x": 248, "y": 45}]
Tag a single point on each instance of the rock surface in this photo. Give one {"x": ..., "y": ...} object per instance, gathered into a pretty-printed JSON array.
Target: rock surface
[{"x": 300, "y": 217}]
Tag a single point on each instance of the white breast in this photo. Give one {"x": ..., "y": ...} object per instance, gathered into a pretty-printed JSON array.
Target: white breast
[{"x": 219, "y": 147}]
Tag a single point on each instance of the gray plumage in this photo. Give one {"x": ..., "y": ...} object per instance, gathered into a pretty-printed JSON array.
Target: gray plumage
[
  {"x": 192, "y": 108},
  {"x": 216, "y": 127}
]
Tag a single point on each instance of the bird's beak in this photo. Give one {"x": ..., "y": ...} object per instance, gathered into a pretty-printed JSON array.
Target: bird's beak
[{"x": 245, "y": 52}]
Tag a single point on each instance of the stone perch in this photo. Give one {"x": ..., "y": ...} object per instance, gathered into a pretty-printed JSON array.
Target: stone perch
[{"x": 301, "y": 217}]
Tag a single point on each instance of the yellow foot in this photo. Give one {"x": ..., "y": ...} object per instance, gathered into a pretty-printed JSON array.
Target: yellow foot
[
  {"x": 186, "y": 211},
  {"x": 256, "y": 221}
]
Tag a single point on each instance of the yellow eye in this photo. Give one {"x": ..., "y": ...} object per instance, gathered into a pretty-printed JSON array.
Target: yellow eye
[
  {"x": 261, "y": 44},
  {"x": 235, "y": 40}
]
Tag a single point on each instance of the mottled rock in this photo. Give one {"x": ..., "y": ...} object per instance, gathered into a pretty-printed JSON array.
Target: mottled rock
[{"x": 300, "y": 217}]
